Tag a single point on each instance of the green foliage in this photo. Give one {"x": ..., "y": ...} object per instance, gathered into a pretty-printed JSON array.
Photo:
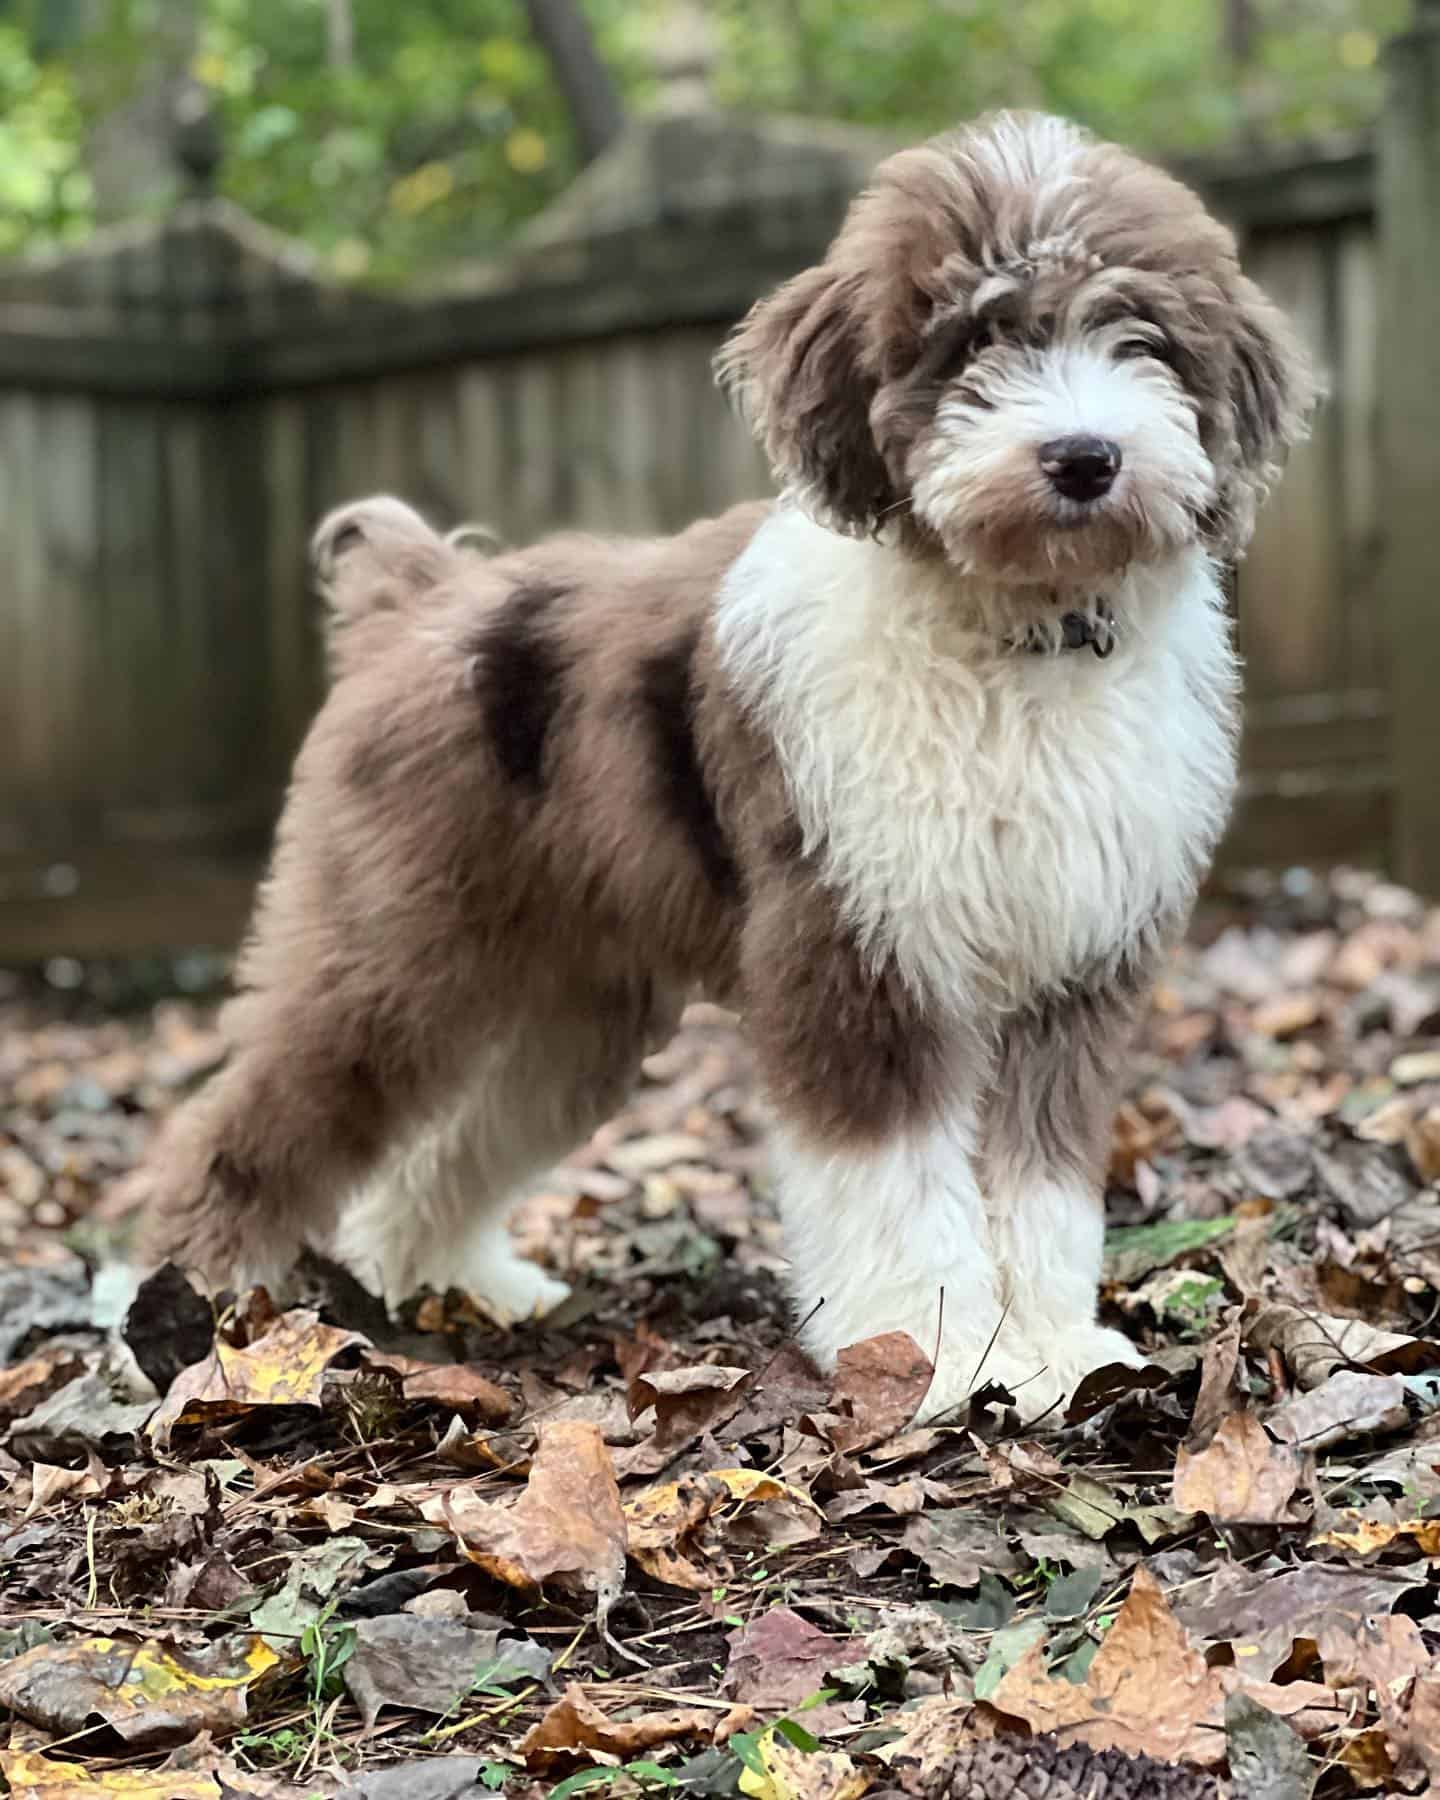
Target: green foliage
[
  {"x": 447, "y": 129},
  {"x": 1160, "y": 77}
]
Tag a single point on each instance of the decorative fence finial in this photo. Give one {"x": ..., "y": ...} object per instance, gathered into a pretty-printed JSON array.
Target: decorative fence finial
[
  {"x": 685, "y": 52},
  {"x": 195, "y": 138}
]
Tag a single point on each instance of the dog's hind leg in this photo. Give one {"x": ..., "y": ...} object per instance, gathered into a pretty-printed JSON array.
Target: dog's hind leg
[
  {"x": 434, "y": 1215},
  {"x": 252, "y": 1168}
]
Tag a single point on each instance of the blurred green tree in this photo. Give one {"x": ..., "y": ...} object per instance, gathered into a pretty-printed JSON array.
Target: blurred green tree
[{"x": 391, "y": 136}]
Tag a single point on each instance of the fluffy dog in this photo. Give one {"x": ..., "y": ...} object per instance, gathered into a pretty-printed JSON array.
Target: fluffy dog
[{"x": 919, "y": 768}]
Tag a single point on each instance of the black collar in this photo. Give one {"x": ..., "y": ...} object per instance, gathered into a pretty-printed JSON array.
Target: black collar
[{"x": 1077, "y": 629}]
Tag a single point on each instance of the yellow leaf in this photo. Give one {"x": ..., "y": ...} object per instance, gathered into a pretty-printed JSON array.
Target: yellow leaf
[
  {"x": 1364, "y": 1535},
  {"x": 149, "y": 1694},
  {"x": 285, "y": 1366},
  {"x": 791, "y": 1774},
  {"x": 34, "y": 1776},
  {"x": 655, "y": 1509},
  {"x": 675, "y": 1531}
]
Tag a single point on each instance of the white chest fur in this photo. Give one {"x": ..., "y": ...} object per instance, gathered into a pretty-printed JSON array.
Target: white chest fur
[{"x": 999, "y": 822}]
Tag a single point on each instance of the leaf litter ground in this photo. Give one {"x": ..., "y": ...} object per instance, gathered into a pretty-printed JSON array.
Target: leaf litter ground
[{"x": 301, "y": 1549}]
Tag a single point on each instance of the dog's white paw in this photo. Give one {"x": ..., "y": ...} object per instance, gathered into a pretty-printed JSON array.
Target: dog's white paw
[
  {"x": 963, "y": 1368},
  {"x": 1042, "y": 1380},
  {"x": 508, "y": 1287}
]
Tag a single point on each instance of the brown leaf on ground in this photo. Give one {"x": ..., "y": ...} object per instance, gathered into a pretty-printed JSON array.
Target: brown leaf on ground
[
  {"x": 935, "y": 1732},
  {"x": 957, "y": 1548},
  {"x": 1422, "y": 1144},
  {"x": 430, "y": 1664},
  {"x": 1384, "y": 1654},
  {"x": 1418, "y": 1737},
  {"x": 1286, "y": 1015},
  {"x": 567, "y": 1525},
  {"x": 1219, "y": 1382},
  {"x": 285, "y": 1365},
  {"x": 678, "y": 1532},
  {"x": 574, "y": 1726},
  {"x": 1348, "y": 1404},
  {"x": 687, "y": 1401},
  {"x": 880, "y": 1384},
  {"x": 1241, "y": 1477},
  {"x": 1315, "y": 1345},
  {"x": 28, "y": 1383},
  {"x": 1138, "y": 1137},
  {"x": 1148, "y": 1692},
  {"x": 780, "y": 1659},
  {"x": 458, "y": 1386},
  {"x": 149, "y": 1694},
  {"x": 1263, "y": 1615}
]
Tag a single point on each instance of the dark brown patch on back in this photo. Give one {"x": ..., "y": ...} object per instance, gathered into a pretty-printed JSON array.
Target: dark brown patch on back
[
  {"x": 667, "y": 696},
  {"x": 524, "y": 680}
]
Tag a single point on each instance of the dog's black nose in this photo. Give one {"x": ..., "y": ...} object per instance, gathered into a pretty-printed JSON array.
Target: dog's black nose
[{"x": 1080, "y": 468}]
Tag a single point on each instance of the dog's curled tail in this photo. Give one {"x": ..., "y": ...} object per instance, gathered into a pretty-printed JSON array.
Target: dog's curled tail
[{"x": 379, "y": 555}]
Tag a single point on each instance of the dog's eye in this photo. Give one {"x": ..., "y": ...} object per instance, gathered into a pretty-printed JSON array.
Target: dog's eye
[{"x": 1137, "y": 349}]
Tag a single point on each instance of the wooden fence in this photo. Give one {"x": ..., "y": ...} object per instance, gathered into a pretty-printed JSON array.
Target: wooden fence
[{"x": 178, "y": 404}]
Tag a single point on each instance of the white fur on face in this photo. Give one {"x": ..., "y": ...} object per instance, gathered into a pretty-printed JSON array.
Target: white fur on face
[
  {"x": 1000, "y": 823},
  {"x": 976, "y": 479}
]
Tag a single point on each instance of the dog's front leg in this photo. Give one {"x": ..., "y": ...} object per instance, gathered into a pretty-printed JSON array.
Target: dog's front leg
[
  {"x": 1045, "y": 1133},
  {"x": 895, "y": 1237},
  {"x": 875, "y": 1150}
]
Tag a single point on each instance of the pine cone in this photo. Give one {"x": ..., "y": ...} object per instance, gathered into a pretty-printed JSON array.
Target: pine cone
[{"x": 1044, "y": 1769}]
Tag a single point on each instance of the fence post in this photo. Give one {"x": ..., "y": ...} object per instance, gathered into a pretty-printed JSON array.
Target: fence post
[{"x": 1409, "y": 209}]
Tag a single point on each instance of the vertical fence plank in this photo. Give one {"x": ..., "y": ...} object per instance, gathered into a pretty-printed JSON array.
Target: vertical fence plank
[{"x": 1410, "y": 386}]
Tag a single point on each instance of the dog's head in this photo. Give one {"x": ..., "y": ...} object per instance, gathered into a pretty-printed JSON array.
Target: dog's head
[{"x": 1031, "y": 351}]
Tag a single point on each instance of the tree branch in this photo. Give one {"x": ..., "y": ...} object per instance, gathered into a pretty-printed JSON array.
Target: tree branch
[{"x": 588, "y": 86}]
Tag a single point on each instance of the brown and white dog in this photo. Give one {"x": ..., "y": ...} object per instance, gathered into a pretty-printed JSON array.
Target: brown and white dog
[{"x": 919, "y": 768}]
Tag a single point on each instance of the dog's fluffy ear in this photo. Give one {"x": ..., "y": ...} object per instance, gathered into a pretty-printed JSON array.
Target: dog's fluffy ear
[
  {"x": 796, "y": 364},
  {"x": 1273, "y": 387},
  {"x": 1273, "y": 391}
]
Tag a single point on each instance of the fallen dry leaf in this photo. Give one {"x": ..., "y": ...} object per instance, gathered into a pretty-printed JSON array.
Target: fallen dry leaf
[
  {"x": 780, "y": 1659},
  {"x": 1422, "y": 1144},
  {"x": 1315, "y": 1345},
  {"x": 687, "y": 1401},
  {"x": 28, "y": 1383},
  {"x": 149, "y": 1694},
  {"x": 957, "y": 1548},
  {"x": 1263, "y": 1615},
  {"x": 566, "y": 1526},
  {"x": 458, "y": 1386},
  {"x": 677, "y": 1532},
  {"x": 1219, "y": 1382},
  {"x": 1138, "y": 1137},
  {"x": 574, "y": 1725},
  {"x": 1365, "y": 1536},
  {"x": 880, "y": 1384},
  {"x": 1347, "y": 1404},
  {"x": 285, "y": 1366},
  {"x": 32, "y": 1775},
  {"x": 1147, "y": 1691},
  {"x": 786, "y": 1773},
  {"x": 1241, "y": 1477},
  {"x": 431, "y": 1664}
]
